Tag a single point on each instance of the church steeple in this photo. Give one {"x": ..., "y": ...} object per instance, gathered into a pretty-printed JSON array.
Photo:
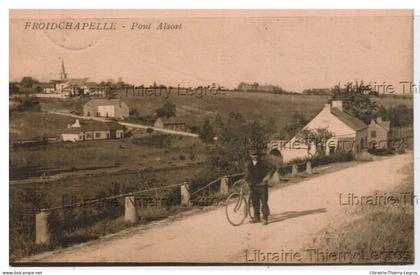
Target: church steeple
[{"x": 63, "y": 75}]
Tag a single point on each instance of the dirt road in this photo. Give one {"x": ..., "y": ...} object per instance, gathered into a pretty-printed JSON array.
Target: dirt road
[{"x": 299, "y": 213}]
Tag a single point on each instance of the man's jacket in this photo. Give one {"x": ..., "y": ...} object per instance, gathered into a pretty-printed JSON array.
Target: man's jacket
[{"x": 254, "y": 175}]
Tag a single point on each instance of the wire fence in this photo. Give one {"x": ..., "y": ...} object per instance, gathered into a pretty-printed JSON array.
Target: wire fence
[
  {"x": 280, "y": 169},
  {"x": 65, "y": 220}
]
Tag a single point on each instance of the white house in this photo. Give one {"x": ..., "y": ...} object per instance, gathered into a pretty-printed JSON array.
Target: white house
[
  {"x": 92, "y": 130},
  {"x": 349, "y": 133},
  {"x": 378, "y": 133},
  {"x": 106, "y": 108}
]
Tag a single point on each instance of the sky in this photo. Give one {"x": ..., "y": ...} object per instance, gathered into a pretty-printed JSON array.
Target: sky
[{"x": 293, "y": 49}]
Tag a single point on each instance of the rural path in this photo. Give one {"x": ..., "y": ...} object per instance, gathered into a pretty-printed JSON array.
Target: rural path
[
  {"x": 300, "y": 212},
  {"x": 130, "y": 125}
]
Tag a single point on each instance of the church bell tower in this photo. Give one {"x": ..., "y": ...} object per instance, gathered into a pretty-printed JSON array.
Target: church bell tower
[{"x": 63, "y": 75}]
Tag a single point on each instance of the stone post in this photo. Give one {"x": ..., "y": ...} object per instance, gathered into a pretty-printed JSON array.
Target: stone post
[
  {"x": 41, "y": 228},
  {"x": 309, "y": 167},
  {"x": 130, "y": 213},
  {"x": 224, "y": 187},
  {"x": 294, "y": 169},
  {"x": 185, "y": 195}
]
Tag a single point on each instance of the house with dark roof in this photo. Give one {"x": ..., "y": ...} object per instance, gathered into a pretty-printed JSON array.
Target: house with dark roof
[
  {"x": 104, "y": 107},
  {"x": 170, "y": 123},
  {"x": 92, "y": 130},
  {"x": 379, "y": 133},
  {"x": 348, "y": 134}
]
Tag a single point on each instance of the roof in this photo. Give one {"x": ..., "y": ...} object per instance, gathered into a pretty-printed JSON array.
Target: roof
[
  {"x": 348, "y": 119},
  {"x": 105, "y": 101},
  {"x": 46, "y": 85},
  {"x": 76, "y": 82},
  {"x": 171, "y": 120},
  {"x": 91, "y": 85},
  {"x": 93, "y": 125},
  {"x": 386, "y": 124}
]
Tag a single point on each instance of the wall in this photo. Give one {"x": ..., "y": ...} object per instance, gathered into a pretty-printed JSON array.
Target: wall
[
  {"x": 361, "y": 140},
  {"x": 158, "y": 123},
  {"x": 381, "y": 139},
  {"x": 119, "y": 134},
  {"x": 70, "y": 137},
  {"x": 101, "y": 135},
  {"x": 106, "y": 110}
]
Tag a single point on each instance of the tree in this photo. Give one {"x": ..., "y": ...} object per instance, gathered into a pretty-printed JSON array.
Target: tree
[
  {"x": 13, "y": 88},
  {"x": 120, "y": 83},
  {"x": 27, "y": 104},
  {"x": 28, "y": 81},
  {"x": 167, "y": 110},
  {"x": 206, "y": 132},
  {"x": 298, "y": 121},
  {"x": 357, "y": 100},
  {"x": 399, "y": 116},
  {"x": 317, "y": 137},
  {"x": 235, "y": 138}
]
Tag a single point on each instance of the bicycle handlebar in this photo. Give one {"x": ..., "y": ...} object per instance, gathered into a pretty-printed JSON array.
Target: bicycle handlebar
[{"x": 240, "y": 181}]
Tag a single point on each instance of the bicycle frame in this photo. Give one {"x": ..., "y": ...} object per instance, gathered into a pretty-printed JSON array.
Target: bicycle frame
[{"x": 242, "y": 194}]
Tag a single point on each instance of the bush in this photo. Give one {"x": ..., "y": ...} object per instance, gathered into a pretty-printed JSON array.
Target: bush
[
  {"x": 380, "y": 152},
  {"x": 338, "y": 156},
  {"x": 27, "y": 104},
  {"x": 182, "y": 157}
]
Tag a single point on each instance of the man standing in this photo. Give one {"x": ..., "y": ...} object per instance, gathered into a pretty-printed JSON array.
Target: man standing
[{"x": 255, "y": 173}]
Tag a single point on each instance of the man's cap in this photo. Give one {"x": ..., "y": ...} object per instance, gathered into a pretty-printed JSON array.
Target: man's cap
[{"x": 254, "y": 152}]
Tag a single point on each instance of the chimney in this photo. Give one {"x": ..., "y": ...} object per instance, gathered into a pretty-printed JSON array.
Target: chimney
[
  {"x": 337, "y": 104},
  {"x": 327, "y": 107},
  {"x": 76, "y": 124},
  {"x": 379, "y": 119}
]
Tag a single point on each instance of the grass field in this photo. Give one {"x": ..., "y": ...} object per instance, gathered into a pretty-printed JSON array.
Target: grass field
[
  {"x": 193, "y": 109},
  {"x": 129, "y": 152},
  {"x": 33, "y": 125},
  {"x": 382, "y": 234}
]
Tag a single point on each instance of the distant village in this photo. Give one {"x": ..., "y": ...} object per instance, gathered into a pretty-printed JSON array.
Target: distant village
[{"x": 102, "y": 115}]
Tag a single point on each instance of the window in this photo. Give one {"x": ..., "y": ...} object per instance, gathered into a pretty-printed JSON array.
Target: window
[
  {"x": 97, "y": 135},
  {"x": 373, "y": 134}
]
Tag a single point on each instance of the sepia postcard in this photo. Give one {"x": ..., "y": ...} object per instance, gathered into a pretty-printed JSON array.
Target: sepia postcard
[{"x": 211, "y": 137}]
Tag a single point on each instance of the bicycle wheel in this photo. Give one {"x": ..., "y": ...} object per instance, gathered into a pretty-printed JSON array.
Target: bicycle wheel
[{"x": 236, "y": 209}]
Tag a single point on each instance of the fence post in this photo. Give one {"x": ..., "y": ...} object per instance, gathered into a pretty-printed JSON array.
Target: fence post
[
  {"x": 41, "y": 228},
  {"x": 309, "y": 167},
  {"x": 130, "y": 213},
  {"x": 224, "y": 187},
  {"x": 185, "y": 195},
  {"x": 294, "y": 170}
]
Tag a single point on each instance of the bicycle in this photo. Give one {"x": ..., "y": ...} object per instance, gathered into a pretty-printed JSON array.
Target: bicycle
[{"x": 239, "y": 204}]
